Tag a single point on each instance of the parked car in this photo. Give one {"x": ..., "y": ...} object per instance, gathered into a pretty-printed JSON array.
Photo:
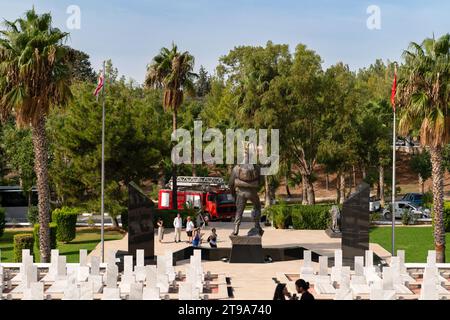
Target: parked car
[
  {"x": 374, "y": 204},
  {"x": 402, "y": 206},
  {"x": 414, "y": 198}
]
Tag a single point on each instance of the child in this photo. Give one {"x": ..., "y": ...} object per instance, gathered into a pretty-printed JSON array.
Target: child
[{"x": 212, "y": 239}]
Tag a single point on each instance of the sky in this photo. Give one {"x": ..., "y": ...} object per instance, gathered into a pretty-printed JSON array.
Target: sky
[{"x": 131, "y": 32}]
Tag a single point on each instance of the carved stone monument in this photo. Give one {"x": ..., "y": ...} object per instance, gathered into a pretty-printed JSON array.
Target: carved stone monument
[
  {"x": 334, "y": 230},
  {"x": 355, "y": 225},
  {"x": 140, "y": 222}
]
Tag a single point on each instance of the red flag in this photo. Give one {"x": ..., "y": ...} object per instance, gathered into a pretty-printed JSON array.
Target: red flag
[
  {"x": 394, "y": 89},
  {"x": 101, "y": 80}
]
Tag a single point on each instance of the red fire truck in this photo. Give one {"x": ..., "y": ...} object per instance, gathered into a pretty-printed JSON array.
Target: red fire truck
[{"x": 209, "y": 194}]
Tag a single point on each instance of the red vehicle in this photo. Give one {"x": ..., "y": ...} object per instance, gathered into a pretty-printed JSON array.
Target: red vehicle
[{"x": 209, "y": 194}]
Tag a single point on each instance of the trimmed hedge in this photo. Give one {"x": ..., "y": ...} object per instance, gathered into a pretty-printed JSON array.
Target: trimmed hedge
[
  {"x": 66, "y": 220},
  {"x": 2, "y": 221},
  {"x": 311, "y": 217},
  {"x": 447, "y": 216},
  {"x": 53, "y": 231},
  {"x": 22, "y": 241},
  {"x": 302, "y": 217},
  {"x": 33, "y": 215}
]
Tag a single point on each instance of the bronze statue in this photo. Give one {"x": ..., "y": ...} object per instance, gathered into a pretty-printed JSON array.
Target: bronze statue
[{"x": 244, "y": 183}]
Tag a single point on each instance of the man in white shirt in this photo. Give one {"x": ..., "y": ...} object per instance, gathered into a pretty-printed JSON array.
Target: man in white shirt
[
  {"x": 189, "y": 228},
  {"x": 178, "y": 224}
]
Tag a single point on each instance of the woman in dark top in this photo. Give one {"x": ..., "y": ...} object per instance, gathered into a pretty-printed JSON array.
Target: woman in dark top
[
  {"x": 281, "y": 292},
  {"x": 302, "y": 287}
]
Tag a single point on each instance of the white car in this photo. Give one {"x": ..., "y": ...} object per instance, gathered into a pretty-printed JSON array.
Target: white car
[
  {"x": 374, "y": 204},
  {"x": 402, "y": 206}
]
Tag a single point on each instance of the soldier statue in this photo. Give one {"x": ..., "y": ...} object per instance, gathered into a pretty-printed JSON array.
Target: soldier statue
[{"x": 244, "y": 183}]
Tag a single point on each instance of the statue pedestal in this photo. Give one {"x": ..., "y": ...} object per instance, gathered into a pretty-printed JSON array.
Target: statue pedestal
[
  {"x": 246, "y": 249},
  {"x": 333, "y": 234}
]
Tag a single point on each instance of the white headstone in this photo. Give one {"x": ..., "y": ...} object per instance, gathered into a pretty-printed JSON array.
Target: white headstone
[
  {"x": 151, "y": 293},
  {"x": 150, "y": 276},
  {"x": 71, "y": 292},
  {"x": 429, "y": 291},
  {"x": 136, "y": 291},
  {"x": 35, "y": 292},
  {"x": 323, "y": 266},
  {"x": 338, "y": 258},
  {"x": 83, "y": 257},
  {"x": 83, "y": 273},
  {"x": 359, "y": 266},
  {"x": 111, "y": 294},
  {"x": 431, "y": 258},
  {"x": 87, "y": 290},
  {"x": 185, "y": 291},
  {"x": 369, "y": 259},
  {"x": 139, "y": 258},
  {"x": 62, "y": 271},
  {"x": 162, "y": 282},
  {"x": 140, "y": 273},
  {"x": 95, "y": 265},
  {"x": 97, "y": 283},
  {"x": 111, "y": 277},
  {"x": 388, "y": 281},
  {"x": 401, "y": 256},
  {"x": 128, "y": 265},
  {"x": 161, "y": 265}
]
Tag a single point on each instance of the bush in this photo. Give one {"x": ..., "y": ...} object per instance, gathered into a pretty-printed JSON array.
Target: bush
[
  {"x": 66, "y": 220},
  {"x": 53, "y": 231},
  {"x": 22, "y": 241},
  {"x": 33, "y": 215},
  {"x": 428, "y": 200},
  {"x": 2, "y": 221},
  {"x": 447, "y": 216},
  {"x": 375, "y": 216},
  {"x": 408, "y": 218},
  {"x": 280, "y": 214},
  {"x": 311, "y": 217}
]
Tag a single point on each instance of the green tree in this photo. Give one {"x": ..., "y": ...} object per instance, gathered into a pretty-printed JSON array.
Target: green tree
[
  {"x": 423, "y": 98},
  {"x": 203, "y": 83},
  {"x": 80, "y": 66},
  {"x": 172, "y": 71},
  {"x": 134, "y": 145},
  {"x": 420, "y": 164},
  {"x": 34, "y": 76}
]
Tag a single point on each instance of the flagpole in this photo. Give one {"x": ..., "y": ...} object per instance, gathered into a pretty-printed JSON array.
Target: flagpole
[
  {"x": 394, "y": 140},
  {"x": 102, "y": 236}
]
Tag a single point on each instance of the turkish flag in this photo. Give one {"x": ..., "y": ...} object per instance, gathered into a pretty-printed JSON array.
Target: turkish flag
[
  {"x": 101, "y": 80},
  {"x": 394, "y": 89}
]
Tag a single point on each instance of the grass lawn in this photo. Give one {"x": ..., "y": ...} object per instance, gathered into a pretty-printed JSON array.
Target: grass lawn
[
  {"x": 85, "y": 239},
  {"x": 416, "y": 241}
]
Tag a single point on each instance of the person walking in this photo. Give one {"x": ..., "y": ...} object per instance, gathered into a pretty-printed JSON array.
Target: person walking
[
  {"x": 302, "y": 287},
  {"x": 178, "y": 224},
  {"x": 160, "y": 225},
  {"x": 212, "y": 239},
  {"x": 189, "y": 229}
]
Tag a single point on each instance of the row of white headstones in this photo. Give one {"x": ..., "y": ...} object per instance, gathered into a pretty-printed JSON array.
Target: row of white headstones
[
  {"x": 367, "y": 280},
  {"x": 82, "y": 280}
]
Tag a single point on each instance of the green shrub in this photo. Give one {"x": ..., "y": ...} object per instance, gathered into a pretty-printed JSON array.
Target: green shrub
[
  {"x": 53, "y": 231},
  {"x": 428, "y": 200},
  {"x": 311, "y": 217},
  {"x": 22, "y": 241},
  {"x": 33, "y": 215},
  {"x": 447, "y": 216},
  {"x": 280, "y": 214},
  {"x": 375, "y": 216},
  {"x": 408, "y": 218},
  {"x": 66, "y": 220},
  {"x": 2, "y": 221}
]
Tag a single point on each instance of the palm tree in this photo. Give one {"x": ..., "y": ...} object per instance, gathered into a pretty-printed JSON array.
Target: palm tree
[
  {"x": 34, "y": 76},
  {"x": 171, "y": 70},
  {"x": 424, "y": 99}
]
